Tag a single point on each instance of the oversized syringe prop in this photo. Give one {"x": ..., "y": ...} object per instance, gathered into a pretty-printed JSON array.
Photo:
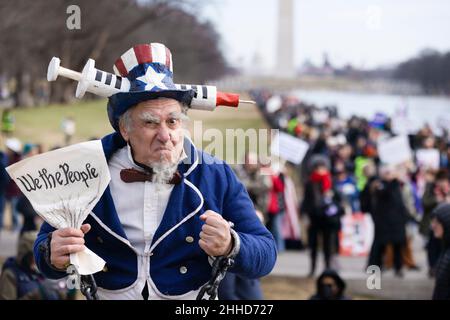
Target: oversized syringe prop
[{"x": 106, "y": 84}]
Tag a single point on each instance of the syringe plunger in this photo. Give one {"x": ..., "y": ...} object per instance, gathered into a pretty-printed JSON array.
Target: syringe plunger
[{"x": 106, "y": 84}]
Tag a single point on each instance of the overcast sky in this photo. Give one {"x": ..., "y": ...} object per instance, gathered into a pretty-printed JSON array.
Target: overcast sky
[{"x": 363, "y": 33}]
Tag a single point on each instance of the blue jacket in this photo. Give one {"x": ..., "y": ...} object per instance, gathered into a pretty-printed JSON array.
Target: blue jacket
[{"x": 207, "y": 184}]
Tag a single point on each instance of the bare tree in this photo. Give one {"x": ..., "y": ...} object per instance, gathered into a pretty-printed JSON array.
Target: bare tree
[{"x": 31, "y": 32}]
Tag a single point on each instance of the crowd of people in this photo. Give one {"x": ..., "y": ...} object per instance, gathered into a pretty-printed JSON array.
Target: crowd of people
[{"x": 343, "y": 174}]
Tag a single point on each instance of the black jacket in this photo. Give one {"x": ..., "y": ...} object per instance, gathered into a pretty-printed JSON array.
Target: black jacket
[
  {"x": 442, "y": 285},
  {"x": 315, "y": 205},
  {"x": 388, "y": 210},
  {"x": 26, "y": 209}
]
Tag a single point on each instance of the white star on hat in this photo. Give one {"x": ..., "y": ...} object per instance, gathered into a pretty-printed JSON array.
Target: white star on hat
[{"x": 153, "y": 79}]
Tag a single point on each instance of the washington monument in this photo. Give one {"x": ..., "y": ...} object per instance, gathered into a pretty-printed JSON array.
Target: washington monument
[{"x": 285, "y": 45}]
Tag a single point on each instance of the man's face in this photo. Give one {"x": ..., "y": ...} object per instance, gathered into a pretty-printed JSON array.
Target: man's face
[{"x": 156, "y": 131}]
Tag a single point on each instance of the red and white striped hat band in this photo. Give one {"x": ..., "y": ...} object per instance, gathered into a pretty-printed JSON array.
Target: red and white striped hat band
[{"x": 143, "y": 53}]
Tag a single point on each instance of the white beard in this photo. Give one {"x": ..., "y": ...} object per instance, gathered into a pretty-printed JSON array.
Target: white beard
[{"x": 163, "y": 171}]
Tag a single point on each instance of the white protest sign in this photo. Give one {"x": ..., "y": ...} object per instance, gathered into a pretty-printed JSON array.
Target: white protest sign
[
  {"x": 442, "y": 123},
  {"x": 356, "y": 235},
  {"x": 428, "y": 158},
  {"x": 402, "y": 126},
  {"x": 64, "y": 186},
  {"x": 394, "y": 150},
  {"x": 289, "y": 148}
]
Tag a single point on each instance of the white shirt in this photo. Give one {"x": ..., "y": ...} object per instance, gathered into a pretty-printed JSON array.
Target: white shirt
[{"x": 140, "y": 207}]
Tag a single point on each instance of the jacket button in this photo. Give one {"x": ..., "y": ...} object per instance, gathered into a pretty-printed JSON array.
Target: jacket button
[
  {"x": 189, "y": 239},
  {"x": 100, "y": 240},
  {"x": 183, "y": 270}
]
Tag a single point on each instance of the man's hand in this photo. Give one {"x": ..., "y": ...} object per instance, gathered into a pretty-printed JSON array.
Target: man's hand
[
  {"x": 64, "y": 242},
  {"x": 215, "y": 237}
]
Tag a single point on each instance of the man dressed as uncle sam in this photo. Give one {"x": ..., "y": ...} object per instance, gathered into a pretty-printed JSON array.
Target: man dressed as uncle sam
[{"x": 170, "y": 209}]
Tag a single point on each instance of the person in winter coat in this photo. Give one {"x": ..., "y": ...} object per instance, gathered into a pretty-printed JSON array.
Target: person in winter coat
[
  {"x": 276, "y": 209},
  {"x": 383, "y": 199},
  {"x": 436, "y": 192},
  {"x": 21, "y": 280},
  {"x": 323, "y": 207},
  {"x": 440, "y": 223},
  {"x": 257, "y": 184},
  {"x": 346, "y": 186},
  {"x": 31, "y": 220},
  {"x": 407, "y": 252},
  {"x": 30, "y": 216},
  {"x": 13, "y": 193}
]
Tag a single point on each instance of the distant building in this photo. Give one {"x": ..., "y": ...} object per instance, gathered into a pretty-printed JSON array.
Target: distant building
[
  {"x": 327, "y": 69},
  {"x": 285, "y": 42}
]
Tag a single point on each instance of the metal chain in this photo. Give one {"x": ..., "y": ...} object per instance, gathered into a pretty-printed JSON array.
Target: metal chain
[
  {"x": 88, "y": 287},
  {"x": 219, "y": 270}
]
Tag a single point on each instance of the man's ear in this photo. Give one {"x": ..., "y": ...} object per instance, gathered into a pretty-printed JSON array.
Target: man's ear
[{"x": 123, "y": 131}]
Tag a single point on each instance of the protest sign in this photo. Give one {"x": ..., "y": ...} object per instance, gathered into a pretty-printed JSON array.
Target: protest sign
[
  {"x": 356, "y": 235},
  {"x": 395, "y": 150},
  {"x": 289, "y": 148},
  {"x": 428, "y": 158},
  {"x": 63, "y": 187}
]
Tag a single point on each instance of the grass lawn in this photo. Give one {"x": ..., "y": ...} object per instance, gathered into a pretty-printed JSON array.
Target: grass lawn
[{"x": 43, "y": 124}]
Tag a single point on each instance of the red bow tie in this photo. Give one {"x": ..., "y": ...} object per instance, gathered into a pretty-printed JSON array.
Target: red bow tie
[{"x": 133, "y": 175}]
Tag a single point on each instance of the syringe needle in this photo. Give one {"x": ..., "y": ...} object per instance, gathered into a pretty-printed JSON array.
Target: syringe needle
[{"x": 247, "y": 101}]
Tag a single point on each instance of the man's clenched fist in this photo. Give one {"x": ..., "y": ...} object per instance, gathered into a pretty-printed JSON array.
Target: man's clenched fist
[
  {"x": 215, "y": 237},
  {"x": 64, "y": 242}
]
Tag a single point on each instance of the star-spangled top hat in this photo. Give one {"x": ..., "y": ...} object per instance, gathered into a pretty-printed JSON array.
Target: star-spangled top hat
[{"x": 149, "y": 68}]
